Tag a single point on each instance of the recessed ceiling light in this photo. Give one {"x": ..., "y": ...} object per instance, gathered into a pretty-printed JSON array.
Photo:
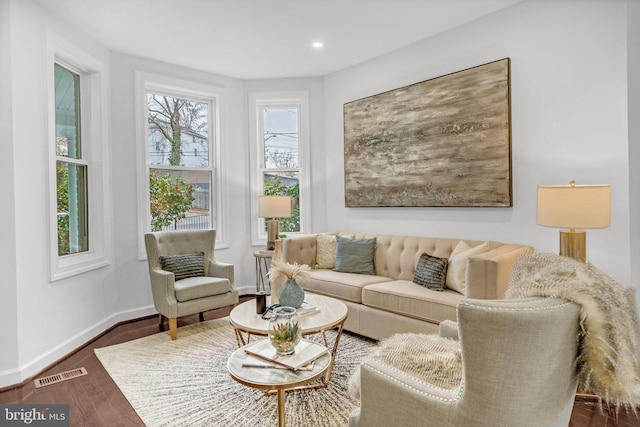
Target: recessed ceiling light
[{"x": 317, "y": 44}]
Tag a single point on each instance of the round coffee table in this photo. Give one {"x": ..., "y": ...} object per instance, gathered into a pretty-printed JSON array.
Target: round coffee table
[
  {"x": 280, "y": 380},
  {"x": 331, "y": 314}
]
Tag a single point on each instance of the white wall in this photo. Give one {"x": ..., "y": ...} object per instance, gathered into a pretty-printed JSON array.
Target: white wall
[
  {"x": 569, "y": 121},
  {"x": 8, "y": 314},
  {"x": 51, "y": 317},
  {"x": 633, "y": 75}
]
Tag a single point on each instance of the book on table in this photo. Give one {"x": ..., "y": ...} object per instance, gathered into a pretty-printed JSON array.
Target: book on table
[
  {"x": 306, "y": 352},
  {"x": 306, "y": 308}
]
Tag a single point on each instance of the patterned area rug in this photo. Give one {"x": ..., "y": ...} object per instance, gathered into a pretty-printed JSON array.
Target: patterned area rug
[{"x": 186, "y": 383}]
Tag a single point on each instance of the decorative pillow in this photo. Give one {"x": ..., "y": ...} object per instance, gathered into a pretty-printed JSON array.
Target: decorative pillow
[
  {"x": 325, "y": 251},
  {"x": 431, "y": 272},
  {"x": 183, "y": 266},
  {"x": 355, "y": 255},
  {"x": 457, "y": 270}
]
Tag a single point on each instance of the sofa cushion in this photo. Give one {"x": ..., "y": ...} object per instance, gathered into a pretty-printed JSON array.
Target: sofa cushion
[
  {"x": 355, "y": 255},
  {"x": 457, "y": 270},
  {"x": 200, "y": 287},
  {"x": 345, "y": 286},
  {"x": 404, "y": 297},
  {"x": 431, "y": 272},
  {"x": 184, "y": 265}
]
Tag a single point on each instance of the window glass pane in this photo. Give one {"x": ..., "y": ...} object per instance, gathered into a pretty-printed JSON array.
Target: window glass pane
[
  {"x": 280, "y": 133},
  {"x": 178, "y": 131},
  {"x": 71, "y": 187},
  {"x": 67, "y": 92},
  {"x": 285, "y": 184},
  {"x": 179, "y": 200}
]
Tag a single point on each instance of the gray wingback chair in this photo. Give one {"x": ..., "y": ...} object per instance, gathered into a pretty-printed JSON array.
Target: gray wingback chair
[
  {"x": 518, "y": 369},
  {"x": 196, "y": 294}
]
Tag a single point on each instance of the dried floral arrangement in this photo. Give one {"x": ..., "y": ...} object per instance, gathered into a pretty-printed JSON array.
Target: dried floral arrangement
[{"x": 286, "y": 270}]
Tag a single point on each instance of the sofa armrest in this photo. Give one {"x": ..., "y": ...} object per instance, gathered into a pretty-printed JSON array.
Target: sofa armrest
[
  {"x": 300, "y": 249},
  {"x": 488, "y": 274},
  {"x": 448, "y": 329},
  {"x": 221, "y": 269}
]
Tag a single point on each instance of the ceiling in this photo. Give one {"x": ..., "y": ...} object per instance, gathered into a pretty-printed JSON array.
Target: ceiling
[{"x": 252, "y": 39}]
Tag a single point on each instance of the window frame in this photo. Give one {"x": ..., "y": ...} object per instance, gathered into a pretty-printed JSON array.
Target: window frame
[
  {"x": 168, "y": 86},
  {"x": 257, "y": 102},
  {"x": 94, "y": 156}
]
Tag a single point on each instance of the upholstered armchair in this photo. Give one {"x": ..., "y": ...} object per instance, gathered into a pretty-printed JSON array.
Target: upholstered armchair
[
  {"x": 185, "y": 276},
  {"x": 517, "y": 369}
]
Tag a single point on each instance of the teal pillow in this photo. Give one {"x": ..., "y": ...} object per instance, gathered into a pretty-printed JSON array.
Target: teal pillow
[
  {"x": 185, "y": 265},
  {"x": 431, "y": 272},
  {"x": 355, "y": 255}
]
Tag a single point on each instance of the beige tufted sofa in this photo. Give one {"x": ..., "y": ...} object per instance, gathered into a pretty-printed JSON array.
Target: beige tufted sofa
[{"x": 389, "y": 302}]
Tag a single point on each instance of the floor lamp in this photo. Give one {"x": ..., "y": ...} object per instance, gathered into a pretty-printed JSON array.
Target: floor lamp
[
  {"x": 273, "y": 207},
  {"x": 574, "y": 208}
]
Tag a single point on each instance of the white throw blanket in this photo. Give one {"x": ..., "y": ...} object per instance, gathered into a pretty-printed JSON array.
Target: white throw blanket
[{"x": 608, "y": 363}]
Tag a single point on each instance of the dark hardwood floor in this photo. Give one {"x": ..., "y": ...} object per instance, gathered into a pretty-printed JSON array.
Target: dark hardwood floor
[{"x": 95, "y": 400}]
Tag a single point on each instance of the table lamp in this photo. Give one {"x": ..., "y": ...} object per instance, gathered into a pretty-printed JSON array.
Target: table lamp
[
  {"x": 273, "y": 207},
  {"x": 574, "y": 207}
]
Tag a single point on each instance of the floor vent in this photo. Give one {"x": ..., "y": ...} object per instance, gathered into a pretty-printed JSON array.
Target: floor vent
[{"x": 58, "y": 378}]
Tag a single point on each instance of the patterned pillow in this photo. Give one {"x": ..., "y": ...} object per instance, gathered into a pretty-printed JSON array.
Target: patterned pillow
[
  {"x": 325, "y": 251},
  {"x": 431, "y": 272},
  {"x": 183, "y": 266},
  {"x": 355, "y": 255}
]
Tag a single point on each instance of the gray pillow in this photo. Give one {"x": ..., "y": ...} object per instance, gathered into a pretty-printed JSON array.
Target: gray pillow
[
  {"x": 431, "y": 272},
  {"x": 185, "y": 265},
  {"x": 355, "y": 255}
]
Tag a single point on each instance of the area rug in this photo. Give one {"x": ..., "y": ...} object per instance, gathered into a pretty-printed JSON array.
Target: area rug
[{"x": 186, "y": 383}]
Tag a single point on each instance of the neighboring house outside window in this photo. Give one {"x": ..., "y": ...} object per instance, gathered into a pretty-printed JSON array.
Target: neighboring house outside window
[{"x": 280, "y": 141}]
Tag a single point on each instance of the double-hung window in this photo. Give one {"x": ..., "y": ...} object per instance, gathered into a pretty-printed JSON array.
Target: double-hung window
[
  {"x": 79, "y": 193},
  {"x": 280, "y": 139},
  {"x": 71, "y": 167},
  {"x": 179, "y": 132}
]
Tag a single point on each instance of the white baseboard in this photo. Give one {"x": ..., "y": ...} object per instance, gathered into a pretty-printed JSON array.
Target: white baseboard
[{"x": 14, "y": 376}]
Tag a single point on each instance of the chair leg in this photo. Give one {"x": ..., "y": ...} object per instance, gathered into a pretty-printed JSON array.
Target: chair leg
[
  {"x": 202, "y": 316},
  {"x": 161, "y": 320},
  {"x": 173, "y": 327}
]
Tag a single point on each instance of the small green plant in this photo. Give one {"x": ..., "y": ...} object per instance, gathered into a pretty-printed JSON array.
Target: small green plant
[{"x": 285, "y": 332}]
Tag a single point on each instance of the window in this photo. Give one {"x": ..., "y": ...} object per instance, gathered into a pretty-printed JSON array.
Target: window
[
  {"x": 71, "y": 168},
  {"x": 79, "y": 193},
  {"x": 178, "y": 136},
  {"x": 280, "y": 135}
]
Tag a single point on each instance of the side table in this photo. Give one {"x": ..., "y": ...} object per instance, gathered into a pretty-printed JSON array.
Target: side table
[{"x": 263, "y": 259}]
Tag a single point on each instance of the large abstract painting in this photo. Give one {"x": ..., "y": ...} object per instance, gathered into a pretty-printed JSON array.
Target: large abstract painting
[{"x": 440, "y": 142}]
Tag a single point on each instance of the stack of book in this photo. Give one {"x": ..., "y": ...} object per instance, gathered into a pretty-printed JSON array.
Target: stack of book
[
  {"x": 306, "y": 309},
  {"x": 262, "y": 354}
]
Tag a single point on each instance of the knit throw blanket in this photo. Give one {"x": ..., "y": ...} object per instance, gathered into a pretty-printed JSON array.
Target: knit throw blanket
[{"x": 608, "y": 362}]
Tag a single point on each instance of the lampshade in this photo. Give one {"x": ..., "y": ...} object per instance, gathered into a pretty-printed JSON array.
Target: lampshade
[
  {"x": 574, "y": 206},
  {"x": 274, "y": 206}
]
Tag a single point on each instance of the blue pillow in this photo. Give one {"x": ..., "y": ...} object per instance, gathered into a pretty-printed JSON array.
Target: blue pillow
[{"x": 355, "y": 255}]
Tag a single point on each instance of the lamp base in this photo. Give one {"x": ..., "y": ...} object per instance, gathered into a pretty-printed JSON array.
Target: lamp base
[
  {"x": 573, "y": 244},
  {"x": 272, "y": 234}
]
